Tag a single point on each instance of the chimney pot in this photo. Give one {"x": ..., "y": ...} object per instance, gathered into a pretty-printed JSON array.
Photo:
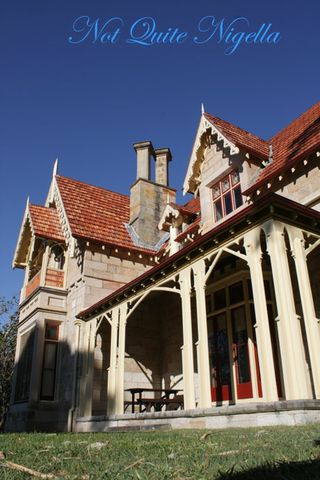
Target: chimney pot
[
  {"x": 143, "y": 150},
  {"x": 162, "y": 157}
]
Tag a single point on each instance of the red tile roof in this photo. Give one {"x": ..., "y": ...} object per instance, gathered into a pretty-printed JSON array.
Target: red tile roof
[
  {"x": 291, "y": 144},
  {"x": 189, "y": 209},
  {"x": 241, "y": 138},
  {"x": 97, "y": 214},
  {"x": 294, "y": 142},
  {"x": 193, "y": 205},
  {"x": 45, "y": 222}
]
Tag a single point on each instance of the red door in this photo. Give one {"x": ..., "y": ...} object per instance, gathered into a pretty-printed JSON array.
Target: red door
[
  {"x": 241, "y": 353},
  {"x": 219, "y": 360}
]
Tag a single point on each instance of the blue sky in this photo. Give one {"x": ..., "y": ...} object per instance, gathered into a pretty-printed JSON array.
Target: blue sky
[{"x": 88, "y": 103}]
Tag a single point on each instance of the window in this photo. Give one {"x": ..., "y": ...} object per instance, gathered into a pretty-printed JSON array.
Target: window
[
  {"x": 24, "y": 367},
  {"x": 56, "y": 257},
  {"x": 226, "y": 195},
  {"x": 49, "y": 361},
  {"x": 236, "y": 293}
]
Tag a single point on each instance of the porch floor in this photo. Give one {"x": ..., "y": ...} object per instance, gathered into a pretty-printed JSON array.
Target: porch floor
[{"x": 286, "y": 412}]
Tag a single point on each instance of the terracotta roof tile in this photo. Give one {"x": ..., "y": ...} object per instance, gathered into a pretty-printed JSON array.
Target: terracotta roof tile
[
  {"x": 193, "y": 205},
  {"x": 97, "y": 214},
  {"x": 45, "y": 222},
  {"x": 189, "y": 209},
  {"x": 294, "y": 142},
  {"x": 241, "y": 138}
]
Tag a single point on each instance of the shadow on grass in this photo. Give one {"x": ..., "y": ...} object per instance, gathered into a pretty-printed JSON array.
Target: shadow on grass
[{"x": 308, "y": 470}]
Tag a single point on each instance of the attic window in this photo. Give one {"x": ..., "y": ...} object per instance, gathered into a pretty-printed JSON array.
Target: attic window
[{"x": 226, "y": 195}]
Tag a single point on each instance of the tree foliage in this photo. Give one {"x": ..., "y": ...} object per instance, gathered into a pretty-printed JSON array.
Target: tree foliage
[{"x": 8, "y": 334}]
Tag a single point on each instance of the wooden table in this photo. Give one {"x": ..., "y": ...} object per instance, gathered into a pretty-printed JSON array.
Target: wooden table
[{"x": 154, "y": 401}]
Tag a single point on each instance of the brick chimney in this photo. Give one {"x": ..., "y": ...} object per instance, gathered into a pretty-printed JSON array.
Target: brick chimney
[{"x": 148, "y": 198}]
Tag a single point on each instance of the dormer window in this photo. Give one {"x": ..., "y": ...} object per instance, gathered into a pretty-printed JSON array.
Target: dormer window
[{"x": 226, "y": 195}]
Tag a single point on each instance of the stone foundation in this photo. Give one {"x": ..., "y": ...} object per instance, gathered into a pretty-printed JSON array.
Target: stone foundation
[{"x": 246, "y": 415}]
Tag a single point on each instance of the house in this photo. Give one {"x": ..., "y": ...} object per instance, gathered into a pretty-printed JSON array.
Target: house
[{"x": 216, "y": 301}]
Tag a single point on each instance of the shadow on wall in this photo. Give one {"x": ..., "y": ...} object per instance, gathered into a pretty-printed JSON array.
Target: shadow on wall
[
  {"x": 308, "y": 470},
  {"x": 45, "y": 396},
  {"x": 153, "y": 343}
]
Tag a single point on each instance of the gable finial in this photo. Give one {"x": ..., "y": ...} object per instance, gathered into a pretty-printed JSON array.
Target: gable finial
[
  {"x": 28, "y": 201},
  {"x": 202, "y": 108},
  {"x": 55, "y": 168}
]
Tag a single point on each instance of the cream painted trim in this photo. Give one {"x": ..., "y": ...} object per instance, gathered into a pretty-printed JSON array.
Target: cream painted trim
[
  {"x": 236, "y": 254},
  {"x": 289, "y": 331},
  {"x": 112, "y": 370},
  {"x": 187, "y": 334},
  {"x": 312, "y": 247},
  {"x": 119, "y": 394},
  {"x": 213, "y": 264},
  {"x": 202, "y": 343},
  {"x": 144, "y": 295},
  {"x": 70, "y": 240},
  {"x": 99, "y": 321},
  {"x": 174, "y": 275},
  {"x": 169, "y": 210},
  {"x": 26, "y": 217},
  {"x": 311, "y": 324},
  {"x": 49, "y": 198}
]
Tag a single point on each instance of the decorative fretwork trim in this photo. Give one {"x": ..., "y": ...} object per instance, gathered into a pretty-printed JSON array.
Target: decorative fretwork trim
[
  {"x": 196, "y": 157},
  {"x": 65, "y": 226}
]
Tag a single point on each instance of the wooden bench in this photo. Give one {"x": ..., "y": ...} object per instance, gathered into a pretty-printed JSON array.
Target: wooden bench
[
  {"x": 158, "y": 403},
  {"x": 128, "y": 403}
]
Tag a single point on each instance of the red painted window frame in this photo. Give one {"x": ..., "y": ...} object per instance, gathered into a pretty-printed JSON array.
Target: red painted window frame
[{"x": 231, "y": 189}]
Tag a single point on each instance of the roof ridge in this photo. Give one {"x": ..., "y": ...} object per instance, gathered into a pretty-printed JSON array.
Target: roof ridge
[
  {"x": 94, "y": 186},
  {"x": 237, "y": 126},
  {"x": 294, "y": 121}
]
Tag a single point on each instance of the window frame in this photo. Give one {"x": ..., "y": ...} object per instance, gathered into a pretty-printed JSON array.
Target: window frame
[
  {"x": 55, "y": 341},
  {"x": 223, "y": 193}
]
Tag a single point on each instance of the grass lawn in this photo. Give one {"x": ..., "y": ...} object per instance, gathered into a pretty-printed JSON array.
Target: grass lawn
[{"x": 284, "y": 453}]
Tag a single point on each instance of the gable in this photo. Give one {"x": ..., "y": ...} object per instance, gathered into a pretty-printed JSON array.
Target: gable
[
  {"x": 228, "y": 138},
  {"x": 40, "y": 222}
]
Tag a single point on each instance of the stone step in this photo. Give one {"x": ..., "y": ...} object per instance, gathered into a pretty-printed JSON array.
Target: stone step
[{"x": 140, "y": 428}]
